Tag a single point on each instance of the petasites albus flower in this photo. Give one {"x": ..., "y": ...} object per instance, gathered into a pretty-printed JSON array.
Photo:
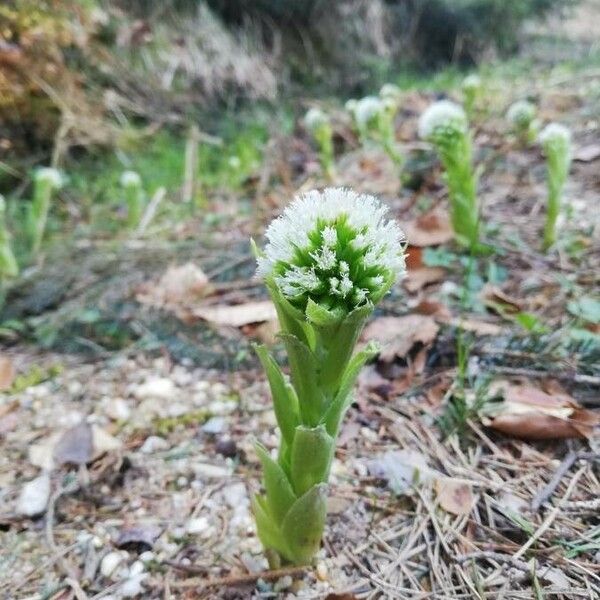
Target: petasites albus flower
[
  {"x": 556, "y": 143},
  {"x": 390, "y": 91},
  {"x": 442, "y": 119},
  {"x": 471, "y": 82},
  {"x": 49, "y": 176},
  {"x": 314, "y": 119},
  {"x": 130, "y": 179},
  {"x": 335, "y": 248},
  {"x": 520, "y": 114},
  {"x": 367, "y": 111},
  {"x": 329, "y": 257}
]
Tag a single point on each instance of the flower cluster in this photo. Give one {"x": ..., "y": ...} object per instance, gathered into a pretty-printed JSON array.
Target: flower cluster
[
  {"x": 520, "y": 114},
  {"x": 441, "y": 120},
  {"x": 314, "y": 119},
  {"x": 49, "y": 176},
  {"x": 130, "y": 179},
  {"x": 335, "y": 248},
  {"x": 555, "y": 136}
]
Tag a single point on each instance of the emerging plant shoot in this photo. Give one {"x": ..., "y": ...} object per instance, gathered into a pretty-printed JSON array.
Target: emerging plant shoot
[
  {"x": 319, "y": 125},
  {"x": 471, "y": 88},
  {"x": 329, "y": 259},
  {"x": 46, "y": 180},
  {"x": 556, "y": 143},
  {"x": 522, "y": 118},
  {"x": 8, "y": 263},
  {"x": 131, "y": 183},
  {"x": 445, "y": 125}
]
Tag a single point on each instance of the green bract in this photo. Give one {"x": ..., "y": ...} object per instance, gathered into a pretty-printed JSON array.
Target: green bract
[
  {"x": 46, "y": 180},
  {"x": 132, "y": 185},
  {"x": 445, "y": 125},
  {"x": 328, "y": 259},
  {"x": 556, "y": 143}
]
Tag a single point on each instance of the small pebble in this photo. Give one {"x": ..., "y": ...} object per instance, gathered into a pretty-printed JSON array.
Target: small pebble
[
  {"x": 283, "y": 584},
  {"x": 153, "y": 444},
  {"x": 160, "y": 388},
  {"x": 110, "y": 562},
  {"x": 225, "y": 446},
  {"x": 147, "y": 556},
  {"x": 197, "y": 525},
  {"x": 214, "y": 425},
  {"x": 34, "y": 496},
  {"x": 321, "y": 571}
]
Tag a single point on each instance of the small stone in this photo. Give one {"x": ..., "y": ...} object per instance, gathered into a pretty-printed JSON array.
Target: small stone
[
  {"x": 34, "y": 496},
  {"x": 137, "y": 568},
  {"x": 210, "y": 471},
  {"x": 177, "y": 409},
  {"x": 117, "y": 409},
  {"x": 321, "y": 571},
  {"x": 154, "y": 443},
  {"x": 147, "y": 557},
  {"x": 283, "y": 584},
  {"x": 132, "y": 587},
  {"x": 110, "y": 563},
  {"x": 214, "y": 425},
  {"x": 225, "y": 446},
  {"x": 197, "y": 525},
  {"x": 235, "y": 495},
  {"x": 159, "y": 388},
  {"x": 222, "y": 407}
]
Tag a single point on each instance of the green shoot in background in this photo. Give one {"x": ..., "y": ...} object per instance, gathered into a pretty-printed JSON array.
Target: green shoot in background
[
  {"x": 319, "y": 126},
  {"x": 555, "y": 140},
  {"x": 8, "y": 263},
  {"x": 131, "y": 183},
  {"x": 445, "y": 125},
  {"x": 471, "y": 89},
  {"x": 522, "y": 118},
  {"x": 329, "y": 259},
  {"x": 46, "y": 181}
]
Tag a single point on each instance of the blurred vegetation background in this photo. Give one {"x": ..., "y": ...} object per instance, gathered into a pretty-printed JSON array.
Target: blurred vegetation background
[{"x": 89, "y": 74}]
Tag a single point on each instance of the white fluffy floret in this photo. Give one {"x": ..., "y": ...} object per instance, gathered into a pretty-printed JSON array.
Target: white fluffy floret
[
  {"x": 442, "y": 117},
  {"x": 555, "y": 133},
  {"x": 367, "y": 109},
  {"x": 471, "y": 82},
  {"x": 391, "y": 91},
  {"x": 49, "y": 175},
  {"x": 335, "y": 245},
  {"x": 315, "y": 118},
  {"x": 130, "y": 179},
  {"x": 521, "y": 113}
]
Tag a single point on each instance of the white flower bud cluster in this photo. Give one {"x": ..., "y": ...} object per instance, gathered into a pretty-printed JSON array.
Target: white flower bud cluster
[
  {"x": 334, "y": 247},
  {"x": 314, "y": 119},
  {"x": 50, "y": 176},
  {"x": 442, "y": 119},
  {"x": 521, "y": 113},
  {"x": 130, "y": 179}
]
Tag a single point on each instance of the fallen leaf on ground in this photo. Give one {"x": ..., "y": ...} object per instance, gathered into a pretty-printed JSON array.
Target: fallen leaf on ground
[
  {"x": 435, "y": 309},
  {"x": 475, "y": 326},
  {"x": 7, "y": 372},
  {"x": 587, "y": 153},
  {"x": 418, "y": 274},
  {"x": 401, "y": 469},
  {"x": 454, "y": 496},
  {"x": 495, "y": 299},
  {"x": 399, "y": 335},
  {"x": 526, "y": 412},
  {"x": 237, "y": 315},
  {"x": 430, "y": 229},
  {"x": 178, "y": 290},
  {"x": 75, "y": 446}
]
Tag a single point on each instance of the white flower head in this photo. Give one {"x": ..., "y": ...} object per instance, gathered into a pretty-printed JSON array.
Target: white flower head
[
  {"x": 350, "y": 105},
  {"x": 521, "y": 113},
  {"x": 334, "y": 247},
  {"x": 130, "y": 179},
  {"x": 390, "y": 91},
  {"x": 314, "y": 119},
  {"x": 555, "y": 134},
  {"x": 367, "y": 110},
  {"x": 50, "y": 176},
  {"x": 441, "y": 119},
  {"x": 471, "y": 83}
]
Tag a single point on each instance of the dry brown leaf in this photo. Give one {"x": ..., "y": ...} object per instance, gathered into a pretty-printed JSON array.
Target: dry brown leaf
[
  {"x": 529, "y": 413},
  {"x": 475, "y": 326},
  {"x": 587, "y": 153},
  {"x": 178, "y": 290},
  {"x": 495, "y": 299},
  {"x": 237, "y": 315},
  {"x": 399, "y": 335},
  {"x": 454, "y": 496},
  {"x": 7, "y": 372},
  {"x": 434, "y": 309},
  {"x": 430, "y": 229}
]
